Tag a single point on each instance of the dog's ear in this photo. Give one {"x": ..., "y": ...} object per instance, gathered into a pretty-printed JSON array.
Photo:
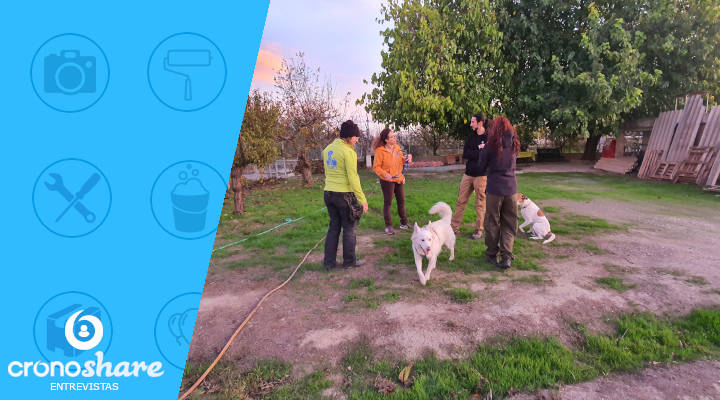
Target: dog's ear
[{"x": 416, "y": 228}]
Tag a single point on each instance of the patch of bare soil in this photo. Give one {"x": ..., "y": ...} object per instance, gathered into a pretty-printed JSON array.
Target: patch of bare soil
[
  {"x": 692, "y": 381},
  {"x": 310, "y": 325}
]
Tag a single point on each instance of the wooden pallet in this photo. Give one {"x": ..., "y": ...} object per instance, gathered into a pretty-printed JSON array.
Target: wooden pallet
[
  {"x": 664, "y": 171},
  {"x": 622, "y": 165},
  {"x": 711, "y": 138},
  {"x": 649, "y": 162},
  {"x": 687, "y": 129},
  {"x": 660, "y": 138},
  {"x": 696, "y": 166}
]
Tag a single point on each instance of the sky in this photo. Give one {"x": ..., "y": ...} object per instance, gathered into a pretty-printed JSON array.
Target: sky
[{"x": 342, "y": 38}]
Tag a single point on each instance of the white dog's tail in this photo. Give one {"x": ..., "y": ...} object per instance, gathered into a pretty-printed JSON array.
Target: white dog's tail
[
  {"x": 552, "y": 237},
  {"x": 443, "y": 210}
]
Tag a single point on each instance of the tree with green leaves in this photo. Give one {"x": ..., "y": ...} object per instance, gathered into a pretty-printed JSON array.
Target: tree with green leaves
[
  {"x": 573, "y": 68},
  {"x": 535, "y": 31},
  {"x": 682, "y": 41},
  {"x": 257, "y": 144},
  {"x": 442, "y": 62},
  {"x": 606, "y": 82}
]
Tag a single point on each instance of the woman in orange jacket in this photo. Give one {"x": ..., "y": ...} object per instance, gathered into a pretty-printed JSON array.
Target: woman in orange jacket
[{"x": 388, "y": 166}]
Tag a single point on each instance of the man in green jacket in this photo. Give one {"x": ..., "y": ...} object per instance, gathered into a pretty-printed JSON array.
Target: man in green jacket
[{"x": 342, "y": 192}]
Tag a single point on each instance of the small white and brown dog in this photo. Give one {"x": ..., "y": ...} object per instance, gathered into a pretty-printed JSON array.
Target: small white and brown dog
[
  {"x": 533, "y": 215},
  {"x": 428, "y": 241}
]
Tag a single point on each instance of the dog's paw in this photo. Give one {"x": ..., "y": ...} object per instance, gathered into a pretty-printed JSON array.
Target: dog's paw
[{"x": 451, "y": 258}]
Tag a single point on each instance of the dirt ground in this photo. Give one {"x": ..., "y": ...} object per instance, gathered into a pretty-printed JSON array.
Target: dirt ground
[{"x": 670, "y": 254}]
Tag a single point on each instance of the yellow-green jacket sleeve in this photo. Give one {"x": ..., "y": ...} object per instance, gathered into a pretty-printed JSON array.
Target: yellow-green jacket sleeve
[{"x": 353, "y": 178}]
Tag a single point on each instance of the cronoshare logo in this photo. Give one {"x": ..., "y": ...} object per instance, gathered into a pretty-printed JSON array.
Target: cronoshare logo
[{"x": 67, "y": 327}]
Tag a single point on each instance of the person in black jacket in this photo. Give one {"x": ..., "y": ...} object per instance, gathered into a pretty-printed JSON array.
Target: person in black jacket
[
  {"x": 498, "y": 163},
  {"x": 472, "y": 180}
]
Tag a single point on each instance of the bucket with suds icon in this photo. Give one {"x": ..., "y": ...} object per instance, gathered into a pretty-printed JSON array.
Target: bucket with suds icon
[{"x": 189, "y": 200}]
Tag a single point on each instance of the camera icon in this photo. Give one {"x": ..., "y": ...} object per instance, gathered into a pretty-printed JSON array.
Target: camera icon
[{"x": 70, "y": 73}]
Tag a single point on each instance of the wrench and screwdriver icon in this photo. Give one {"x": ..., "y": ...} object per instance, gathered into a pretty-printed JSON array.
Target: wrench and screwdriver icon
[{"x": 74, "y": 200}]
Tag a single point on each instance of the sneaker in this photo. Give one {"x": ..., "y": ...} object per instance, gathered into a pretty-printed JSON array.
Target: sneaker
[
  {"x": 504, "y": 263},
  {"x": 476, "y": 236},
  {"x": 491, "y": 260},
  {"x": 358, "y": 263},
  {"x": 389, "y": 230},
  {"x": 404, "y": 227}
]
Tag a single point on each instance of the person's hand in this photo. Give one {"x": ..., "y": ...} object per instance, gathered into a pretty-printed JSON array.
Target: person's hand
[
  {"x": 365, "y": 208},
  {"x": 388, "y": 177},
  {"x": 481, "y": 146},
  {"x": 409, "y": 158}
]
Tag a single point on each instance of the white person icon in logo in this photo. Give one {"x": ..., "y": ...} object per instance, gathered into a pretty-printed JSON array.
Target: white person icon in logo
[{"x": 87, "y": 339}]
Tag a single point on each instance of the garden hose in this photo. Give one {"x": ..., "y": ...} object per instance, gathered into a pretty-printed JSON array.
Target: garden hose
[{"x": 247, "y": 319}]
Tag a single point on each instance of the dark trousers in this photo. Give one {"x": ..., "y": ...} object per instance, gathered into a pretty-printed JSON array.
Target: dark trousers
[
  {"x": 389, "y": 189},
  {"x": 340, "y": 218},
  {"x": 500, "y": 225}
]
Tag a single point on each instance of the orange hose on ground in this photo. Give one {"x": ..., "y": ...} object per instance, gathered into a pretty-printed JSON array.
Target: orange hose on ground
[{"x": 240, "y": 328}]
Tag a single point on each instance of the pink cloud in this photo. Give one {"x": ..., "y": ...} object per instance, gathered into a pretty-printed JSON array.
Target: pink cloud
[{"x": 268, "y": 62}]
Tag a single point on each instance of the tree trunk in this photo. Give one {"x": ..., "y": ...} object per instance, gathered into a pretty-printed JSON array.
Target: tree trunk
[
  {"x": 236, "y": 179},
  {"x": 591, "y": 147},
  {"x": 306, "y": 170}
]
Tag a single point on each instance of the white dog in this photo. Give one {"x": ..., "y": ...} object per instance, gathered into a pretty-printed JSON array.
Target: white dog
[
  {"x": 533, "y": 215},
  {"x": 428, "y": 240}
]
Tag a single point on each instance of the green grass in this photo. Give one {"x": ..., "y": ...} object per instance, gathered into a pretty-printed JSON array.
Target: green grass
[
  {"x": 271, "y": 205},
  {"x": 351, "y": 297},
  {"x": 674, "y": 272},
  {"x": 573, "y": 224},
  {"x": 644, "y": 338},
  {"x": 618, "y": 269},
  {"x": 362, "y": 283},
  {"x": 531, "y": 279},
  {"x": 224, "y": 382},
  {"x": 309, "y": 387},
  {"x": 365, "y": 293},
  {"x": 591, "y": 248},
  {"x": 524, "y": 364},
  {"x": 365, "y": 300},
  {"x": 461, "y": 295},
  {"x": 281, "y": 249},
  {"x": 391, "y": 296},
  {"x": 614, "y": 283},
  {"x": 697, "y": 280},
  {"x": 586, "y": 187}
]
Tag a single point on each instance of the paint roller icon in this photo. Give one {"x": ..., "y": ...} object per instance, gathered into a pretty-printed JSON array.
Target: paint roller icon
[{"x": 186, "y": 58}]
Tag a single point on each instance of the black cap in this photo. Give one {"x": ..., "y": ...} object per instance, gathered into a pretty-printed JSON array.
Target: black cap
[{"x": 349, "y": 129}]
